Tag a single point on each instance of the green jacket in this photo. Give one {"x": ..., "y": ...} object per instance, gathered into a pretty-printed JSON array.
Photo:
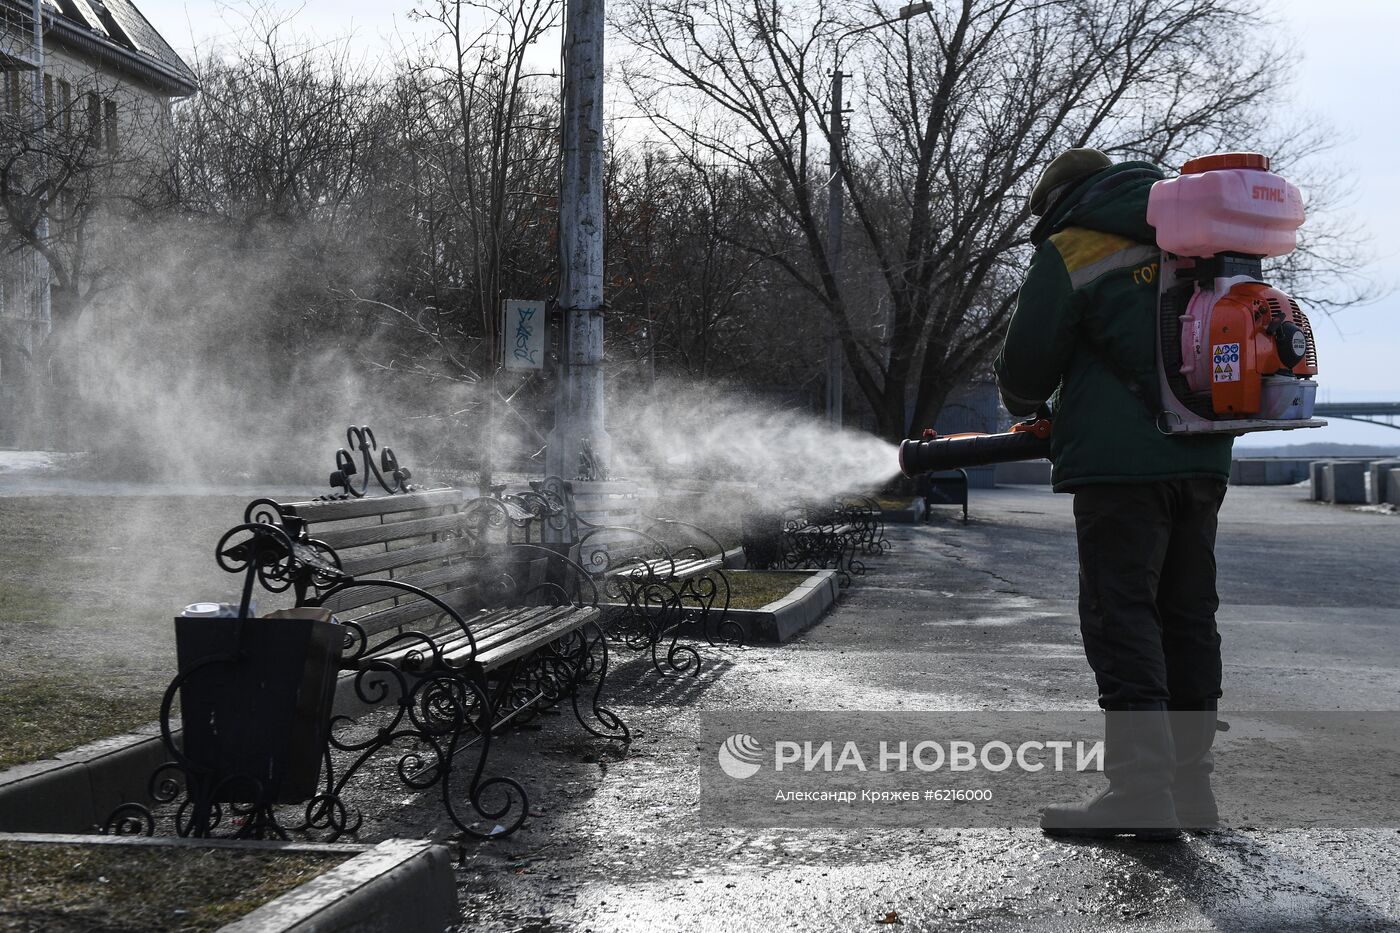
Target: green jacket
[{"x": 1083, "y": 331}]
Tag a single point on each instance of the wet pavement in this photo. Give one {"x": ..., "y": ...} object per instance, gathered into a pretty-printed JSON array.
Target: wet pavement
[{"x": 975, "y": 617}]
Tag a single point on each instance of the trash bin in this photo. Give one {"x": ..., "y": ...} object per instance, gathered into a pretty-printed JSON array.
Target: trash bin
[{"x": 255, "y": 708}]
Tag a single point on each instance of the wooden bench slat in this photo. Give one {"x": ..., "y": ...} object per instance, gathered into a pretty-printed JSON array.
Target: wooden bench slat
[
  {"x": 697, "y": 565},
  {"x": 825, "y": 530},
  {"x": 389, "y": 531},
  {"x": 488, "y": 629},
  {"x": 394, "y": 617},
  {"x": 662, "y": 568},
  {"x": 366, "y": 595},
  {"x": 608, "y": 516},
  {"x": 398, "y": 558},
  {"x": 512, "y": 634},
  {"x": 339, "y": 509},
  {"x": 537, "y": 639},
  {"x": 519, "y": 623}
]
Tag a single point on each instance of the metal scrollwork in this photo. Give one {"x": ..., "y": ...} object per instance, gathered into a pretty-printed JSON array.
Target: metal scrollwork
[
  {"x": 818, "y": 537},
  {"x": 391, "y": 476},
  {"x": 869, "y": 518}
]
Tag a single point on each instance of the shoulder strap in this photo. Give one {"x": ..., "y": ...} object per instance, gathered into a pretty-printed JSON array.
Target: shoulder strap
[{"x": 1149, "y": 395}]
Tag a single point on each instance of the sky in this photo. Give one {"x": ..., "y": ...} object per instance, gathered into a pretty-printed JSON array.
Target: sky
[{"x": 1341, "y": 54}]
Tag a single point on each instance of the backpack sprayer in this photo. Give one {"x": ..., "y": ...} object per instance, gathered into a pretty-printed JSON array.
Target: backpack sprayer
[{"x": 1234, "y": 354}]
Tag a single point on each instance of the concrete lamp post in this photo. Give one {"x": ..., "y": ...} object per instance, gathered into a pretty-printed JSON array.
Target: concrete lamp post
[
  {"x": 578, "y": 404},
  {"x": 836, "y": 205}
]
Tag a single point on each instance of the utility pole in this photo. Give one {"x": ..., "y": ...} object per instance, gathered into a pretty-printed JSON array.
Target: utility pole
[
  {"x": 578, "y": 400},
  {"x": 835, "y": 205},
  {"x": 835, "y": 200},
  {"x": 42, "y": 298}
]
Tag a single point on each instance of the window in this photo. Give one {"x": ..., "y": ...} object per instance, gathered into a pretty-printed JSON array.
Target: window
[
  {"x": 111, "y": 124},
  {"x": 94, "y": 109},
  {"x": 48, "y": 97},
  {"x": 12, "y": 92},
  {"x": 65, "y": 96}
]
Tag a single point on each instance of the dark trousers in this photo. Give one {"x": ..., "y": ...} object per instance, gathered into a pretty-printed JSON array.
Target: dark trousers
[{"x": 1147, "y": 596}]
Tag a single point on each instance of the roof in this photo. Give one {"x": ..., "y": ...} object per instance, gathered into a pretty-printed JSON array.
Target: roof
[{"x": 115, "y": 32}]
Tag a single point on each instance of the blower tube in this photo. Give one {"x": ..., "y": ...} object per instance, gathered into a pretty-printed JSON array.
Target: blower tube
[{"x": 1029, "y": 440}]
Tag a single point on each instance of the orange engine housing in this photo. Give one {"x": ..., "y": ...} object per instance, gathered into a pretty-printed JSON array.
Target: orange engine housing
[{"x": 1263, "y": 332}]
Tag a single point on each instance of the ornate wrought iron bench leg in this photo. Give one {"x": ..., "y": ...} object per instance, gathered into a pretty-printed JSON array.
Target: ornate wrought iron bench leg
[
  {"x": 592, "y": 660},
  {"x": 843, "y": 560},
  {"x": 456, "y": 701},
  {"x": 638, "y": 628},
  {"x": 708, "y": 591},
  {"x": 678, "y": 658}
]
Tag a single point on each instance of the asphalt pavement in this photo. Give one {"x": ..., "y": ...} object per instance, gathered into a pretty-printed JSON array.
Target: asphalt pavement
[{"x": 974, "y": 617}]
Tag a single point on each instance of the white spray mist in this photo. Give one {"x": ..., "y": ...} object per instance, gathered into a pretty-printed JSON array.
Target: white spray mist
[{"x": 695, "y": 435}]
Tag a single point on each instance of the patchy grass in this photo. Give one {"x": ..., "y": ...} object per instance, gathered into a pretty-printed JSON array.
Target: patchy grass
[
  {"x": 44, "y": 715},
  {"x": 89, "y": 586},
  {"x": 754, "y": 589},
  {"x": 83, "y": 889},
  {"x": 896, "y": 503}
]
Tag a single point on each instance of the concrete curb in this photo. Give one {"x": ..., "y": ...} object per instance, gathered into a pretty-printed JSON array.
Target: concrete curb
[
  {"x": 910, "y": 516},
  {"x": 397, "y": 885},
  {"x": 774, "y": 623},
  {"x": 76, "y": 790},
  {"x": 780, "y": 621}
]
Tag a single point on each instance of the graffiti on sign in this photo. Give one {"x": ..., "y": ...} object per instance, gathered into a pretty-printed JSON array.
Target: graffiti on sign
[{"x": 522, "y": 335}]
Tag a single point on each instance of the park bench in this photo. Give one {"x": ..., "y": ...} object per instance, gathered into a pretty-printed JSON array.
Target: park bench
[
  {"x": 453, "y": 632},
  {"x": 817, "y": 536},
  {"x": 662, "y": 574},
  {"x": 835, "y": 535},
  {"x": 865, "y": 513}
]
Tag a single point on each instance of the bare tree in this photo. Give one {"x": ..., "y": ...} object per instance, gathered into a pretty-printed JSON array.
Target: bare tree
[
  {"x": 963, "y": 107},
  {"x": 493, "y": 135},
  {"x": 682, "y": 297}
]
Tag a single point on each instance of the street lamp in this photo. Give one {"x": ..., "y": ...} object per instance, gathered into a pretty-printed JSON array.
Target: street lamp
[{"x": 835, "y": 207}]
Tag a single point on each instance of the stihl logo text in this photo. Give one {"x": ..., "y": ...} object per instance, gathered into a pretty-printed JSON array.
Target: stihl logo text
[{"x": 1265, "y": 193}]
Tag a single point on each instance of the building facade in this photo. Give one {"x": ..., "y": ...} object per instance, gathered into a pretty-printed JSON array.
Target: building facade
[{"x": 85, "y": 85}]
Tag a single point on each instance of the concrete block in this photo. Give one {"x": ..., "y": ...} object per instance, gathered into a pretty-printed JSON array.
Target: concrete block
[
  {"x": 399, "y": 886},
  {"x": 781, "y": 621},
  {"x": 910, "y": 516},
  {"x": 1286, "y": 472},
  {"x": 47, "y": 796},
  {"x": 1380, "y": 479},
  {"x": 120, "y": 771},
  {"x": 983, "y": 477},
  {"x": 1316, "y": 471},
  {"x": 1024, "y": 473},
  {"x": 1251, "y": 472},
  {"x": 1392, "y": 486},
  {"x": 1267, "y": 471},
  {"x": 77, "y": 790},
  {"x": 1344, "y": 482}
]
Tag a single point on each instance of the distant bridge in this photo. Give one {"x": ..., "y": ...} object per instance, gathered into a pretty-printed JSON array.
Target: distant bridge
[{"x": 1386, "y": 414}]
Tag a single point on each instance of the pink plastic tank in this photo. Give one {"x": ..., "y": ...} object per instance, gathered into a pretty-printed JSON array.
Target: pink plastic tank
[{"x": 1229, "y": 202}]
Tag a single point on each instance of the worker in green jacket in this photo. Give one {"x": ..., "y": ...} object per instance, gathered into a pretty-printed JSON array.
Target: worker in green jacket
[{"x": 1082, "y": 343}]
